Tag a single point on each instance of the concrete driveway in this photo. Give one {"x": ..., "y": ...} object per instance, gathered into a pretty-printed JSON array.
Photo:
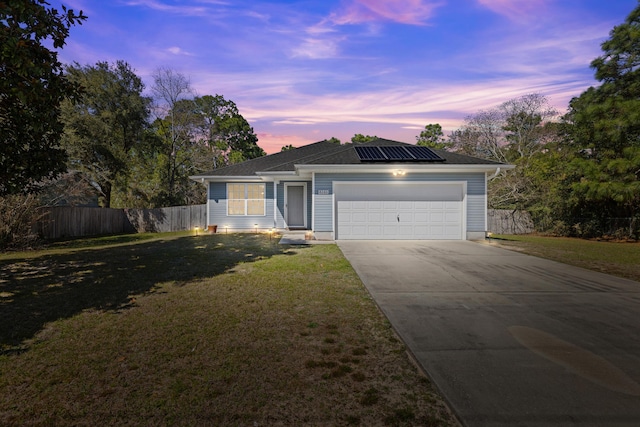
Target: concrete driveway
[{"x": 508, "y": 338}]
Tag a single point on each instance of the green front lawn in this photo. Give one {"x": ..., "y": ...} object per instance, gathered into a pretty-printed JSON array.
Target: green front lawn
[
  {"x": 208, "y": 330},
  {"x": 617, "y": 258}
]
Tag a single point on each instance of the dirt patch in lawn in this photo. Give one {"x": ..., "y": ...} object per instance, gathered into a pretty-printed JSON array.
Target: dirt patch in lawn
[{"x": 207, "y": 330}]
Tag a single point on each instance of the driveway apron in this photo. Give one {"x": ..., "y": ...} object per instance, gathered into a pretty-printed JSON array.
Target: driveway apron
[{"x": 510, "y": 339}]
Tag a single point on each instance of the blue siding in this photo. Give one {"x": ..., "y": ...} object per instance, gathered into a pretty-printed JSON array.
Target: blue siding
[
  {"x": 324, "y": 213},
  {"x": 476, "y": 197},
  {"x": 280, "y": 214},
  {"x": 218, "y": 209}
]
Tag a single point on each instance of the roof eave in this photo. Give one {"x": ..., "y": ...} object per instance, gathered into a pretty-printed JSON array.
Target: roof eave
[
  {"x": 224, "y": 178},
  {"x": 407, "y": 167}
]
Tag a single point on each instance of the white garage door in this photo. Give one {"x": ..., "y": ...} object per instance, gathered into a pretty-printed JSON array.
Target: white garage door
[{"x": 400, "y": 212}]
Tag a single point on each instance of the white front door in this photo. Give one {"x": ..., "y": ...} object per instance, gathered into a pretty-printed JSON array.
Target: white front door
[
  {"x": 397, "y": 212},
  {"x": 295, "y": 212}
]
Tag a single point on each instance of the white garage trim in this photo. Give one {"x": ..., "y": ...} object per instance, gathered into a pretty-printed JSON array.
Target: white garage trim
[{"x": 375, "y": 210}]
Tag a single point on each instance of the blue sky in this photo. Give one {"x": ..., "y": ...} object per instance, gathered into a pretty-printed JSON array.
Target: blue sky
[{"x": 302, "y": 71}]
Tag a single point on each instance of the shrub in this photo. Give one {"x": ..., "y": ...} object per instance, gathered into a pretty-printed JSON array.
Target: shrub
[
  {"x": 18, "y": 213},
  {"x": 560, "y": 228}
]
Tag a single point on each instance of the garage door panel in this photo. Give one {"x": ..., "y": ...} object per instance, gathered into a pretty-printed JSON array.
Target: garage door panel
[
  {"x": 437, "y": 231},
  {"x": 421, "y": 230},
  {"x": 374, "y": 216},
  {"x": 451, "y": 229},
  {"x": 397, "y": 217},
  {"x": 436, "y": 217},
  {"x": 360, "y": 205},
  {"x": 451, "y": 205},
  {"x": 390, "y": 217},
  {"x": 452, "y": 217},
  {"x": 421, "y": 205},
  {"x": 406, "y": 231},
  {"x": 360, "y": 229},
  {"x": 389, "y": 231},
  {"x": 358, "y": 216}
]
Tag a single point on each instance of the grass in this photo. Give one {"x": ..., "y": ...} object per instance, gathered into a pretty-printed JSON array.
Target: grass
[
  {"x": 617, "y": 258},
  {"x": 207, "y": 330}
]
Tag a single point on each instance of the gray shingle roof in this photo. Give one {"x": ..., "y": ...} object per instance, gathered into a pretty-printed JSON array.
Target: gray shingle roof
[
  {"x": 277, "y": 162},
  {"x": 326, "y": 153}
]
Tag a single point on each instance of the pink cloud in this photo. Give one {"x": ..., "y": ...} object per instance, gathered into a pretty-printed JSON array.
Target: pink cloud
[
  {"x": 516, "y": 10},
  {"x": 411, "y": 12}
]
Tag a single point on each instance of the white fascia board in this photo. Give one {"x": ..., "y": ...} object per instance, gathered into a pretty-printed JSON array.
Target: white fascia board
[
  {"x": 276, "y": 176},
  {"x": 228, "y": 178},
  {"x": 406, "y": 167}
]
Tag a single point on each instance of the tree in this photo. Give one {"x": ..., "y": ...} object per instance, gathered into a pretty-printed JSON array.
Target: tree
[
  {"x": 524, "y": 121},
  {"x": 483, "y": 136},
  {"x": 334, "y": 140},
  {"x": 287, "y": 147},
  {"x": 227, "y": 129},
  {"x": 433, "y": 137},
  {"x": 606, "y": 119},
  {"x": 359, "y": 138},
  {"x": 105, "y": 124},
  {"x": 32, "y": 88},
  {"x": 514, "y": 132},
  {"x": 603, "y": 129},
  {"x": 194, "y": 134}
]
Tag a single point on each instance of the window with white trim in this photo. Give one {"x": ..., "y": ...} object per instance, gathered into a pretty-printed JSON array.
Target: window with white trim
[{"x": 246, "y": 199}]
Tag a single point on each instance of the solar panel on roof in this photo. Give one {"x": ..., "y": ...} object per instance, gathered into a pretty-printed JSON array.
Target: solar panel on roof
[
  {"x": 370, "y": 154},
  {"x": 423, "y": 153},
  {"x": 396, "y": 153}
]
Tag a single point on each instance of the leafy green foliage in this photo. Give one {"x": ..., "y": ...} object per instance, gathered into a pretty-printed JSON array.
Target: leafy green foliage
[
  {"x": 105, "y": 124},
  {"x": 31, "y": 90},
  {"x": 224, "y": 128},
  {"x": 433, "y": 137},
  {"x": 192, "y": 134},
  {"x": 603, "y": 131},
  {"x": 359, "y": 138}
]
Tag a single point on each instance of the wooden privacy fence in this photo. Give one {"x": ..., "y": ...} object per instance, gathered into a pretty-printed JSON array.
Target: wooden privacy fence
[
  {"x": 161, "y": 220},
  {"x": 66, "y": 221},
  {"x": 509, "y": 222}
]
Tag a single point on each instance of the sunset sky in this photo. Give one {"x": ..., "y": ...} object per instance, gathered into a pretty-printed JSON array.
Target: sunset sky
[{"x": 302, "y": 71}]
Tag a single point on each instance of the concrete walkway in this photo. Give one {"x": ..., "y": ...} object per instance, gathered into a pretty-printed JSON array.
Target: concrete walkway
[
  {"x": 299, "y": 238},
  {"x": 508, "y": 338}
]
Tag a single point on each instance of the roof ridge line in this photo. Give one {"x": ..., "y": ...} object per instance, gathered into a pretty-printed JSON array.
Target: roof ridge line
[{"x": 307, "y": 157}]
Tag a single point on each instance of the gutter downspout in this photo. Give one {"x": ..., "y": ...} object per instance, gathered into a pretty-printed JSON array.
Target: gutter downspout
[{"x": 487, "y": 234}]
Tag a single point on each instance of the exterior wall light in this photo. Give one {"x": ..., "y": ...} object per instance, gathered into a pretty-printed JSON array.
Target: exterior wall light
[{"x": 398, "y": 172}]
